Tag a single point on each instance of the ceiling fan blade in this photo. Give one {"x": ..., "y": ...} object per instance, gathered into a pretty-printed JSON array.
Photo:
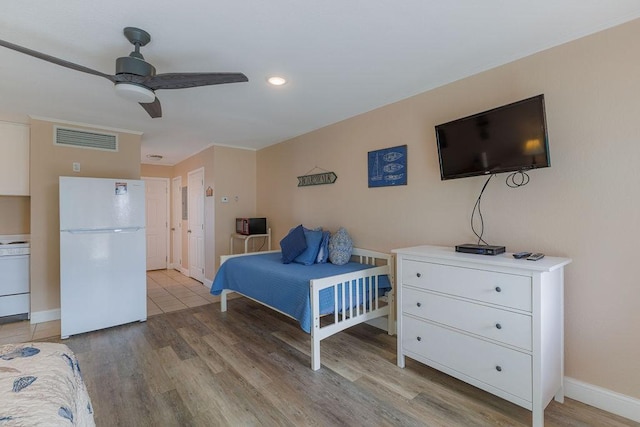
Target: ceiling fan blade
[
  {"x": 55, "y": 60},
  {"x": 186, "y": 80},
  {"x": 153, "y": 108}
]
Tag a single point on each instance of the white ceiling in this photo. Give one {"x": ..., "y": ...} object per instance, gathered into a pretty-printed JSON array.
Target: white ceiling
[{"x": 342, "y": 58}]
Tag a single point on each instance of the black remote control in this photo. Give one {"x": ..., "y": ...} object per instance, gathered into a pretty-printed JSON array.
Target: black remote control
[{"x": 519, "y": 255}]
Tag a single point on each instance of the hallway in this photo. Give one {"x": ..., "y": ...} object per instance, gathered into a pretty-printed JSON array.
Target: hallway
[{"x": 169, "y": 290}]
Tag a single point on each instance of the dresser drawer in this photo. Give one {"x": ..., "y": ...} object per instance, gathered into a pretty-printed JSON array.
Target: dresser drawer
[
  {"x": 509, "y": 290},
  {"x": 490, "y": 322},
  {"x": 500, "y": 367}
]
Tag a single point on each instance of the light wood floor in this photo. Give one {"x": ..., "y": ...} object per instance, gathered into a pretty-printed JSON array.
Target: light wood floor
[{"x": 250, "y": 366}]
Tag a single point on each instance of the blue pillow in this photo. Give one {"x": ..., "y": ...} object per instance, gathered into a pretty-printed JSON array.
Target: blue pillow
[
  {"x": 323, "y": 252},
  {"x": 340, "y": 247},
  {"x": 293, "y": 244},
  {"x": 313, "y": 239}
]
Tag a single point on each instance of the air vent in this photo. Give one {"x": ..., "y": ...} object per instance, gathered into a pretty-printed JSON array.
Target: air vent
[{"x": 83, "y": 139}]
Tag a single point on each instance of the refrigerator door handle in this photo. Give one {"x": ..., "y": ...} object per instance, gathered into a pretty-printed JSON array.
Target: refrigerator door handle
[{"x": 104, "y": 230}]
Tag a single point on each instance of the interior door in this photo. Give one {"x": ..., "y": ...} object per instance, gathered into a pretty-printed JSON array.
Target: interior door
[
  {"x": 157, "y": 201},
  {"x": 195, "y": 231},
  {"x": 176, "y": 222}
]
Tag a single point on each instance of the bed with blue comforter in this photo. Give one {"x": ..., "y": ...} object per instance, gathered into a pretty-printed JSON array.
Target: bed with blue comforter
[
  {"x": 285, "y": 287},
  {"x": 288, "y": 289}
]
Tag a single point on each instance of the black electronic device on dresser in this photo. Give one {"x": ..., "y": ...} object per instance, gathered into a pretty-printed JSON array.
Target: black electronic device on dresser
[
  {"x": 249, "y": 226},
  {"x": 470, "y": 248}
]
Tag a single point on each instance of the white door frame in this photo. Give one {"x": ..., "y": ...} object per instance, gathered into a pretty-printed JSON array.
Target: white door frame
[
  {"x": 176, "y": 224},
  {"x": 196, "y": 272},
  {"x": 168, "y": 210}
]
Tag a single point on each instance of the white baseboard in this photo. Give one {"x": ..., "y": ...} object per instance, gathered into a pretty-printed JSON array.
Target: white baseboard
[
  {"x": 178, "y": 267},
  {"x": 602, "y": 398},
  {"x": 45, "y": 316}
]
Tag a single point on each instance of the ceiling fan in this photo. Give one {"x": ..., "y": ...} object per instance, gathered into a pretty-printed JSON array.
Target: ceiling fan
[{"x": 135, "y": 78}]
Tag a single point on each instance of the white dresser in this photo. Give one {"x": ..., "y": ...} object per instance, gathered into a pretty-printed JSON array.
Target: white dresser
[{"x": 492, "y": 321}]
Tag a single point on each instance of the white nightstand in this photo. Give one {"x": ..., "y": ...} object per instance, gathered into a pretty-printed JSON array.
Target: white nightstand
[{"x": 247, "y": 238}]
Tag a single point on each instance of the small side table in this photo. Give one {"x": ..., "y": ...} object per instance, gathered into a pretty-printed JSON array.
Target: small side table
[{"x": 247, "y": 238}]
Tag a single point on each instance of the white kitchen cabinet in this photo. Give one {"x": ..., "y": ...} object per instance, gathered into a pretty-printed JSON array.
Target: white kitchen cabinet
[
  {"x": 14, "y": 159},
  {"x": 492, "y": 321}
]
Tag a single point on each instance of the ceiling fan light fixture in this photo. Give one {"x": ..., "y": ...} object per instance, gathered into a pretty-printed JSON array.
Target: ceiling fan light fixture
[
  {"x": 135, "y": 79},
  {"x": 135, "y": 93},
  {"x": 277, "y": 80}
]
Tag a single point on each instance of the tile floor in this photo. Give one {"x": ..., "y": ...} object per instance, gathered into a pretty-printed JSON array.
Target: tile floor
[{"x": 167, "y": 290}]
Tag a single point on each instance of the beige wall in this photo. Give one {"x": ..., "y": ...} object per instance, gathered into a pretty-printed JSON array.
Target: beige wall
[
  {"x": 585, "y": 206},
  {"x": 235, "y": 178},
  {"x": 230, "y": 172},
  {"x": 156, "y": 171},
  {"x": 14, "y": 214},
  {"x": 49, "y": 162}
]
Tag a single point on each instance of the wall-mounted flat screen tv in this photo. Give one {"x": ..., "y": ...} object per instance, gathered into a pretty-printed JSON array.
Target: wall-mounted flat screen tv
[{"x": 505, "y": 139}]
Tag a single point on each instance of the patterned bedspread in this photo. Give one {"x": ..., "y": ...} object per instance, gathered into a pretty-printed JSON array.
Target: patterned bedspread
[{"x": 41, "y": 385}]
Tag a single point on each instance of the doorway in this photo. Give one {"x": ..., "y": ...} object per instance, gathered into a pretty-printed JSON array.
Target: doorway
[
  {"x": 195, "y": 231},
  {"x": 176, "y": 223},
  {"x": 157, "y": 215}
]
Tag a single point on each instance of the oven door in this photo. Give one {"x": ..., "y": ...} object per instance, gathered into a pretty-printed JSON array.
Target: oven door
[
  {"x": 14, "y": 285},
  {"x": 14, "y": 270}
]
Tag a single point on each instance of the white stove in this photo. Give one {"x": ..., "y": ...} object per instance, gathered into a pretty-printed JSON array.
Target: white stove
[
  {"x": 15, "y": 244},
  {"x": 14, "y": 269}
]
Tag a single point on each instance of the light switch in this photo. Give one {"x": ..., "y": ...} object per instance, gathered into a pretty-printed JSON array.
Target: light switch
[{"x": 76, "y": 167}]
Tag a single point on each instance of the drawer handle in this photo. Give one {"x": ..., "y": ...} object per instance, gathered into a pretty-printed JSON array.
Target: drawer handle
[
  {"x": 498, "y": 326},
  {"x": 499, "y": 368},
  {"x": 498, "y": 289},
  {"x": 419, "y": 339},
  {"x": 419, "y": 304},
  {"x": 419, "y": 274}
]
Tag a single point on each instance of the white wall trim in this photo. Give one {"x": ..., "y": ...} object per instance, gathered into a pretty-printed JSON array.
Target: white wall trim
[
  {"x": 602, "y": 398},
  {"x": 45, "y": 316}
]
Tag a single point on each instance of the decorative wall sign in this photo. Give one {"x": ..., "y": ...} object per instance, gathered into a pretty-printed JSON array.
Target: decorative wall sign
[
  {"x": 388, "y": 167},
  {"x": 317, "y": 179}
]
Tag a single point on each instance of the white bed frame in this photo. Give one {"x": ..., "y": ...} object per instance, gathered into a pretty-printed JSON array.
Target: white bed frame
[{"x": 343, "y": 317}]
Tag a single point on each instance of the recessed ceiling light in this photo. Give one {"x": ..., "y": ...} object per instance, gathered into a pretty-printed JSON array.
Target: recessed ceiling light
[
  {"x": 156, "y": 157},
  {"x": 277, "y": 80}
]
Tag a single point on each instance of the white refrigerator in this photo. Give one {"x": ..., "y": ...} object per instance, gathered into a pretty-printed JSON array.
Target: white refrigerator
[{"x": 102, "y": 253}]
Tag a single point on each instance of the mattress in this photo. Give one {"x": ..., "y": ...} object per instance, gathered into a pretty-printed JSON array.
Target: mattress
[{"x": 285, "y": 287}]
